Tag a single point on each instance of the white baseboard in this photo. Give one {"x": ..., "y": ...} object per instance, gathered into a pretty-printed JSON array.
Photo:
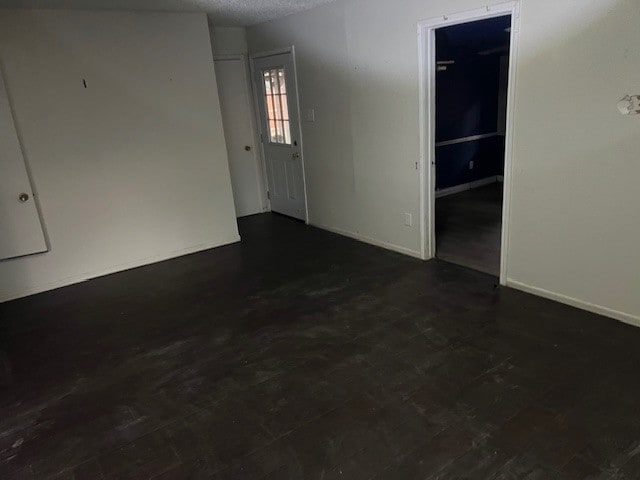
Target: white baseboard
[
  {"x": 466, "y": 186},
  {"x": 369, "y": 240},
  {"x": 63, "y": 282},
  {"x": 574, "y": 302}
]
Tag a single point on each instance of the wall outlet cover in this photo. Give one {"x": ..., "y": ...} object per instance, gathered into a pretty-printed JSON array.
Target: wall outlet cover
[{"x": 408, "y": 219}]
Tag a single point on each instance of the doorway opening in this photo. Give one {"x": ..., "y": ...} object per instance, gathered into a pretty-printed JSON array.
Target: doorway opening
[{"x": 466, "y": 87}]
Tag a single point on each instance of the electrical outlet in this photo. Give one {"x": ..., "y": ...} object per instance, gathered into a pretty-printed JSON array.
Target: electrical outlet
[
  {"x": 471, "y": 165},
  {"x": 408, "y": 219}
]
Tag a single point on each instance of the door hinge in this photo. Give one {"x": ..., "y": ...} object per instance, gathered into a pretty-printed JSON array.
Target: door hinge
[{"x": 268, "y": 195}]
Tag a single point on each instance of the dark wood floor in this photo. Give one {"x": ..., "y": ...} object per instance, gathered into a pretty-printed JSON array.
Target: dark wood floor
[
  {"x": 299, "y": 354},
  {"x": 468, "y": 228}
]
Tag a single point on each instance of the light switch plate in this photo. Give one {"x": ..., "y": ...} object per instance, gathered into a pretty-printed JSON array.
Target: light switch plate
[{"x": 310, "y": 115}]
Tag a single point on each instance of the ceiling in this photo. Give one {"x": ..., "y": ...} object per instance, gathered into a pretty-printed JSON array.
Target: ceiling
[{"x": 221, "y": 12}]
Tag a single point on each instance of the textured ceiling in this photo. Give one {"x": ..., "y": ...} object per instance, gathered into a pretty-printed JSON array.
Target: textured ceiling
[{"x": 221, "y": 12}]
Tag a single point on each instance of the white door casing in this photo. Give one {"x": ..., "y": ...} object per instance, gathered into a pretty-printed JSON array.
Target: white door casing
[
  {"x": 275, "y": 86},
  {"x": 427, "y": 101},
  {"x": 245, "y": 165},
  {"x": 20, "y": 228}
]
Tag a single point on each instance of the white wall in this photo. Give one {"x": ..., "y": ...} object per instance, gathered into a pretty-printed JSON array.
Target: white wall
[
  {"x": 360, "y": 152},
  {"x": 574, "y": 217},
  {"x": 228, "y": 40},
  {"x": 130, "y": 170}
]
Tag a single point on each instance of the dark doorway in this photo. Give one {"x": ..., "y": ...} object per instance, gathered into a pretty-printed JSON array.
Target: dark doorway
[{"x": 471, "y": 102}]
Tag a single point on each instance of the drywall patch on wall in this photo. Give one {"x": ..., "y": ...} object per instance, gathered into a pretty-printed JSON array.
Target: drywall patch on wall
[
  {"x": 574, "y": 216},
  {"x": 131, "y": 169}
]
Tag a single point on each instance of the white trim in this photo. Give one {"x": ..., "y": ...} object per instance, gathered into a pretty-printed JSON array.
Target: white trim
[
  {"x": 508, "y": 144},
  {"x": 466, "y": 186},
  {"x": 471, "y": 138},
  {"x": 270, "y": 53},
  {"x": 488, "y": 11},
  {"x": 369, "y": 240},
  {"x": 300, "y": 140},
  {"x": 427, "y": 72},
  {"x": 63, "y": 282},
  {"x": 258, "y": 120},
  {"x": 426, "y": 102},
  {"x": 574, "y": 302}
]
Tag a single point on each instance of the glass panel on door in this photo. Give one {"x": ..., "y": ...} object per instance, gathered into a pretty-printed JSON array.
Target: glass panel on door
[{"x": 277, "y": 109}]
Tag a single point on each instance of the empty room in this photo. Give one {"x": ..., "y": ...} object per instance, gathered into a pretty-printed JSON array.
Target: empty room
[{"x": 319, "y": 239}]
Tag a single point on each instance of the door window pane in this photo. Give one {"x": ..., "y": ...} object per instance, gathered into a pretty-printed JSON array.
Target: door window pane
[
  {"x": 276, "y": 106},
  {"x": 287, "y": 132}
]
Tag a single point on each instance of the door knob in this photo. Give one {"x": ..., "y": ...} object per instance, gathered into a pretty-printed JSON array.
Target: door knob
[
  {"x": 295, "y": 154},
  {"x": 23, "y": 197},
  {"x": 247, "y": 148}
]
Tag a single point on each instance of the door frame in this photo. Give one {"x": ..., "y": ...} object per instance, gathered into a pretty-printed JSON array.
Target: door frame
[
  {"x": 256, "y": 99},
  {"x": 427, "y": 102},
  {"x": 261, "y": 185}
]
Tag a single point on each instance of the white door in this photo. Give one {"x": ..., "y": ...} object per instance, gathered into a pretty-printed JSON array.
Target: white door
[
  {"x": 238, "y": 120},
  {"x": 275, "y": 83},
  {"x": 20, "y": 228}
]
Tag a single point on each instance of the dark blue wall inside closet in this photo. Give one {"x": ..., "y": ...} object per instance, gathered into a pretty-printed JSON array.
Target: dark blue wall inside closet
[{"x": 467, "y": 100}]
